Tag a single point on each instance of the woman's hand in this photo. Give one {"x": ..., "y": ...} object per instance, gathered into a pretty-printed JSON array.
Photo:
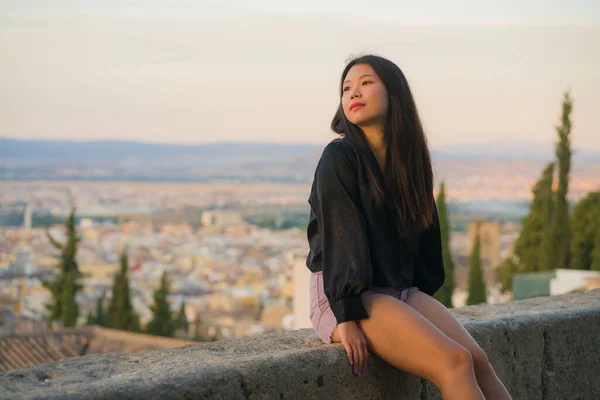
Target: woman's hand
[{"x": 355, "y": 344}]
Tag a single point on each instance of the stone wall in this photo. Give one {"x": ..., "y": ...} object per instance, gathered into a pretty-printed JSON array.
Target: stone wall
[{"x": 542, "y": 348}]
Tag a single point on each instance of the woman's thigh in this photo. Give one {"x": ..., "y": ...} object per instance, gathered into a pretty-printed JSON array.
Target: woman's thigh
[
  {"x": 441, "y": 317},
  {"x": 405, "y": 339}
]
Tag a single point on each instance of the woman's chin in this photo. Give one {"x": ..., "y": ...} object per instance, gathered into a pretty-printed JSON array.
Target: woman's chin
[
  {"x": 359, "y": 121},
  {"x": 364, "y": 122}
]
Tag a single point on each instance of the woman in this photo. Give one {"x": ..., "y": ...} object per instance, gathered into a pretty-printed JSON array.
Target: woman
[{"x": 375, "y": 245}]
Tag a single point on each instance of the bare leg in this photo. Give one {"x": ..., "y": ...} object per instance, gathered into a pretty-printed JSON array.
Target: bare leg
[
  {"x": 440, "y": 316},
  {"x": 405, "y": 339}
]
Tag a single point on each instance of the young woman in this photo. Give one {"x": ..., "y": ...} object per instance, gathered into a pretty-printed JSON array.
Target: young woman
[{"x": 375, "y": 245}]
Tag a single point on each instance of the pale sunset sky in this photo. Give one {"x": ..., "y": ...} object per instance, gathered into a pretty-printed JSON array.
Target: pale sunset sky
[{"x": 267, "y": 70}]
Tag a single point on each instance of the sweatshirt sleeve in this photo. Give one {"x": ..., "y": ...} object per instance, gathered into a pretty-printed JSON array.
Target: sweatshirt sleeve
[{"x": 346, "y": 261}]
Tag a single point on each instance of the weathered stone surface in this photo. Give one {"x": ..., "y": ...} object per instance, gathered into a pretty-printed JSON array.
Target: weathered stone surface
[{"x": 542, "y": 348}]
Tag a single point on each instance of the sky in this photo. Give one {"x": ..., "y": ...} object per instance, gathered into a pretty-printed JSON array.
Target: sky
[{"x": 268, "y": 71}]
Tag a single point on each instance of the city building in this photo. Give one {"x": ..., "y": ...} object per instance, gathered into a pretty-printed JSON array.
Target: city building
[
  {"x": 555, "y": 282},
  {"x": 490, "y": 248},
  {"x": 301, "y": 303},
  {"x": 489, "y": 234},
  {"x": 221, "y": 218}
]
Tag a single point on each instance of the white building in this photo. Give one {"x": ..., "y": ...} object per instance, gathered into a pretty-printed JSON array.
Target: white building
[
  {"x": 221, "y": 218},
  {"x": 569, "y": 280},
  {"x": 554, "y": 282},
  {"x": 301, "y": 306}
]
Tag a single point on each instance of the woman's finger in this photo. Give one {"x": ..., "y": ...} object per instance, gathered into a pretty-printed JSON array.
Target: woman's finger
[
  {"x": 358, "y": 351},
  {"x": 349, "y": 352},
  {"x": 366, "y": 357}
]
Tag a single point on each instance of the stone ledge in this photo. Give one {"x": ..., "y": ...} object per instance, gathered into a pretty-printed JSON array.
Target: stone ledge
[{"x": 542, "y": 348}]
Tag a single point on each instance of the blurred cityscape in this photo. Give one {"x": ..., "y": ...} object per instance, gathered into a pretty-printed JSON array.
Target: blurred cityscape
[
  {"x": 229, "y": 254},
  {"x": 229, "y": 249}
]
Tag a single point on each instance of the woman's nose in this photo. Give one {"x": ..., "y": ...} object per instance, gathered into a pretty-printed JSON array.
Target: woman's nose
[{"x": 354, "y": 94}]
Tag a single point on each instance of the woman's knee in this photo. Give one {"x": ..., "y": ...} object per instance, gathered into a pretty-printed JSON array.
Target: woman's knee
[
  {"x": 457, "y": 364},
  {"x": 458, "y": 360}
]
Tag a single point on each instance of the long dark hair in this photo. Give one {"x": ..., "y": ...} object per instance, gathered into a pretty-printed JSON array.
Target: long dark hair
[{"x": 408, "y": 172}]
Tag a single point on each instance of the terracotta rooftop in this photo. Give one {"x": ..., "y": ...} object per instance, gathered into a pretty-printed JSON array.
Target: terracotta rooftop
[{"x": 23, "y": 350}]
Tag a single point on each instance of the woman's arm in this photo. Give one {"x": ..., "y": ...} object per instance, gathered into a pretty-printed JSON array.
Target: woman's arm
[{"x": 346, "y": 260}]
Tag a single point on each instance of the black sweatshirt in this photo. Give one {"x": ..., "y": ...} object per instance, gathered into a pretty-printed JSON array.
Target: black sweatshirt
[{"x": 356, "y": 243}]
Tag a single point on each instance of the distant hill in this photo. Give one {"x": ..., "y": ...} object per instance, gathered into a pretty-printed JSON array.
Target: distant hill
[
  {"x": 130, "y": 151},
  {"x": 511, "y": 149},
  {"x": 120, "y": 151},
  {"x": 137, "y": 161},
  {"x": 128, "y": 160}
]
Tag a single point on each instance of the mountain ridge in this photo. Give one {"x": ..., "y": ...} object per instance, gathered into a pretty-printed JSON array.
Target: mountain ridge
[{"x": 110, "y": 149}]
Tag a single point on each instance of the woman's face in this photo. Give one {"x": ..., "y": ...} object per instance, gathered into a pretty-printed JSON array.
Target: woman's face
[{"x": 364, "y": 97}]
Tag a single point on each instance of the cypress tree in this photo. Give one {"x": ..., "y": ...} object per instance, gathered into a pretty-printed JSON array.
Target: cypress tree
[
  {"x": 584, "y": 231},
  {"x": 595, "y": 265},
  {"x": 261, "y": 306},
  {"x": 64, "y": 288},
  {"x": 91, "y": 320},
  {"x": 182, "y": 322},
  {"x": 99, "y": 317},
  {"x": 120, "y": 311},
  {"x": 444, "y": 294},
  {"x": 477, "y": 292},
  {"x": 505, "y": 272},
  {"x": 528, "y": 254},
  {"x": 545, "y": 259},
  {"x": 544, "y": 242},
  {"x": 535, "y": 225},
  {"x": 560, "y": 221},
  {"x": 162, "y": 322},
  {"x": 69, "y": 309}
]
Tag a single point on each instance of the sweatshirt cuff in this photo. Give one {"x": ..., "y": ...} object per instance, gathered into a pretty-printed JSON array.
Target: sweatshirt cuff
[{"x": 349, "y": 309}]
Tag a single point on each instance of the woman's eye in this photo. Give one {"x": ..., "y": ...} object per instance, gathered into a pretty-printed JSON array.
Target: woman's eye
[{"x": 347, "y": 87}]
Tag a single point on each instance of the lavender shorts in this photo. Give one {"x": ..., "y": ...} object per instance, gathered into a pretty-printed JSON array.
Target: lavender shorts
[{"x": 321, "y": 316}]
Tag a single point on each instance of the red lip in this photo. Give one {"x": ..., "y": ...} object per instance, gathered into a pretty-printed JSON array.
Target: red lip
[{"x": 356, "y": 103}]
